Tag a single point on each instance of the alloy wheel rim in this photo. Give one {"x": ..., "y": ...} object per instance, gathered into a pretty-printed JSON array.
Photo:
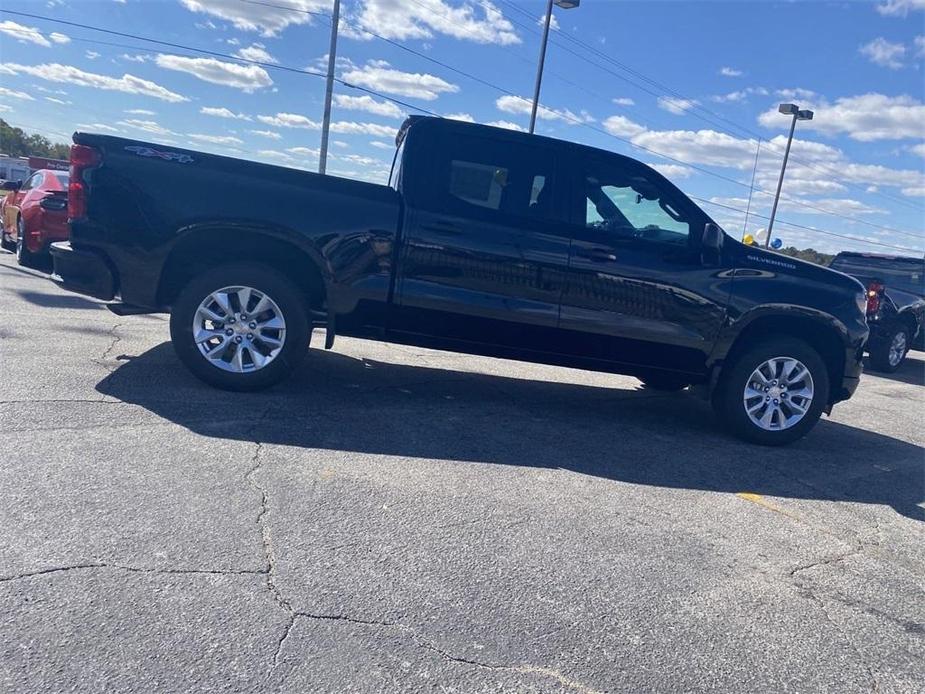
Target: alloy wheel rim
[
  {"x": 897, "y": 348},
  {"x": 239, "y": 329},
  {"x": 20, "y": 239},
  {"x": 778, "y": 394}
]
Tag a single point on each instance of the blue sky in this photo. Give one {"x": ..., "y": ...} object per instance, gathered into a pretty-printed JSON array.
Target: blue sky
[{"x": 690, "y": 87}]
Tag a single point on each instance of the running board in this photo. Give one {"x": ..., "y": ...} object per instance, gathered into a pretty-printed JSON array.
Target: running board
[{"x": 130, "y": 310}]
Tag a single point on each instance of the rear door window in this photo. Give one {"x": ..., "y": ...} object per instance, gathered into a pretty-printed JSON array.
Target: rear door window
[{"x": 496, "y": 180}]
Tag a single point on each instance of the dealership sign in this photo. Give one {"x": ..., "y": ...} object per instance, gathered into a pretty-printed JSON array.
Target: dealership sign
[{"x": 36, "y": 163}]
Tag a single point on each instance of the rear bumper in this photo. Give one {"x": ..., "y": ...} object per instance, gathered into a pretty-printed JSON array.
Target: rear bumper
[{"x": 82, "y": 271}]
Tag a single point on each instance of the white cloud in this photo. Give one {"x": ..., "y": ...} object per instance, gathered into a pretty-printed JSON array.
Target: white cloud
[
  {"x": 13, "y": 94},
  {"x": 99, "y": 127},
  {"x": 267, "y": 133},
  {"x": 797, "y": 93},
  {"x": 304, "y": 151},
  {"x": 507, "y": 125},
  {"x": 730, "y": 72},
  {"x": 263, "y": 18},
  {"x": 673, "y": 171},
  {"x": 621, "y": 126},
  {"x": 290, "y": 120},
  {"x": 553, "y": 22},
  {"x": 140, "y": 112},
  {"x": 866, "y": 118},
  {"x": 4, "y": 108},
  {"x": 368, "y": 104},
  {"x": 676, "y": 105},
  {"x": 244, "y": 77},
  {"x": 59, "y": 38},
  {"x": 379, "y": 144},
  {"x": 919, "y": 43},
  {"x": 379, "y": 75},
  {"x": 216, "y": 139},
  {"x": 222, "y": 112},
  {"x": 481, "y": 22},
  {"x": 137, "y": 58},
  {"x": 55, "y": 100},
  {"x": 295, "y": 120},
  {"x": 919, "y": 149},
  {"x": 129, "y": 84},
  {"x": 523, "y": 106},
  {"x": 24, "y": 34},
  {"x": 256, "y": 52},
  {"x": 148, "y": 126},
  {"x": 739, "y": 95},
  {"x": 374, "y": 129},
  {"x": 340, "y": 143},
  {"x": 900, "y": 7},
  {"x": 464, "y": 117},
  {"x": 624, "y": 101},
  {"x": 884, "y": 53},
  {"x": 92, "y": 55}
]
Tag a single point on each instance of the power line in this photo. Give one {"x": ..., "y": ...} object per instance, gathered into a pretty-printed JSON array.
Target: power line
[
  {"x": 692, "y": 105},
  {"x": 807, "y": 228},
  {"x": 227, "y": 56},
  {"x": 564, "y": 116}
]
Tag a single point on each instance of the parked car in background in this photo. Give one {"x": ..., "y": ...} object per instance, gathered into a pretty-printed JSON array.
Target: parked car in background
[
  {"x": 895, "y": 303},
  {"x": 34, "y": 214},
  {"x": 486, "y": 241}
]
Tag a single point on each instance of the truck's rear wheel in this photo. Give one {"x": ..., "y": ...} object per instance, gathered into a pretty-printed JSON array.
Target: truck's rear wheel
[
  {"x": 240, "y": 326},
  {"x": 887, "y": 353},
  {"x": 773, "y": 393}
]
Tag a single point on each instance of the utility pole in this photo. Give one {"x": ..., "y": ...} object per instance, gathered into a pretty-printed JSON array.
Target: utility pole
[{"x": 329, "y": 90}]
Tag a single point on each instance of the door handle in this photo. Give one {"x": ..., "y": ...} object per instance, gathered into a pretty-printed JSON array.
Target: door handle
[{"x": 601, "y": 255}]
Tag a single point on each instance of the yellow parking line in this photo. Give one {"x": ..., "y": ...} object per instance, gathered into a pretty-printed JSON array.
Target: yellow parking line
[{"x": 761, "y": 501}]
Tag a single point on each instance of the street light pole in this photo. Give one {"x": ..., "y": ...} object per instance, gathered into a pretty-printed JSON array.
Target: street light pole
[
  {"x": 329, "y": 90},
  {"x": 794, "y": 110},
  {"x": 565, "y": 5},
  {"x": 539, "y": 69}
]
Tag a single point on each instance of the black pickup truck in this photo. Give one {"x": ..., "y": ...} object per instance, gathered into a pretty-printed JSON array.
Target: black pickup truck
[
  {"x": 485, "y": 241},
  {"x": 895, "y": 303}
]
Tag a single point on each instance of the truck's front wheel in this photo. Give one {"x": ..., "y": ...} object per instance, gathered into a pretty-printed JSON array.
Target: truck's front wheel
[
  {"x": 774, "y": 392},
  {"x": 240, "y": 326}
]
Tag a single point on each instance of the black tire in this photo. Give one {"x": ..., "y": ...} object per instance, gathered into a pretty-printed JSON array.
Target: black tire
[
  {"x": 729, "y": 403},
  {"x": 24, "y": 256},
  {"x": 666, "y": 382},
  {"x": 881, "y": 348},
  {"x": 290, "y": 300}
]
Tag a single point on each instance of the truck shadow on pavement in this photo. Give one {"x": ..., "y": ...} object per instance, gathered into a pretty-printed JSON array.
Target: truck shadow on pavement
[
  {"x": 340, "y": 403},
  {"x": 911, "y": 371}
]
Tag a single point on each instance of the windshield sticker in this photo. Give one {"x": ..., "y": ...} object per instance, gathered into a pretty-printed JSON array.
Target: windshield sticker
[{"x": 168, "y": 156}]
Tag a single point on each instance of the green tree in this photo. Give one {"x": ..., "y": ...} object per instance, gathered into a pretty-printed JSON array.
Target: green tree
[
  {"x": 809, "y": 254},
  {"x": 17, "y": 143}
]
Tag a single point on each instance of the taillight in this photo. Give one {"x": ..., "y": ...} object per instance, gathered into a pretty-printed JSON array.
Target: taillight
[
  {"x": 874, "y": 290},
  {"x": 83, "y": 158}
]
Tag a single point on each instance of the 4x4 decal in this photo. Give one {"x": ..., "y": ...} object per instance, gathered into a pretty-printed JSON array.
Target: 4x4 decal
[{"x": 169, "y": 156}]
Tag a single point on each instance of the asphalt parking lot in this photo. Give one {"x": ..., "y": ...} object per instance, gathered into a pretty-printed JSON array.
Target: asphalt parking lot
[{"x": 398, "y": 519}]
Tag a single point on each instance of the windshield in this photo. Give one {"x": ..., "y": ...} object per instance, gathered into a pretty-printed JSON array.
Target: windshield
[{"x": 62, "y": 177}]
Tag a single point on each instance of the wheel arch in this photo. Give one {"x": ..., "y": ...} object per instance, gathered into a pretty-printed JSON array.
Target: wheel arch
[
  {"x": 203, "y": 246},
  {"x": 823, "y": 333}
]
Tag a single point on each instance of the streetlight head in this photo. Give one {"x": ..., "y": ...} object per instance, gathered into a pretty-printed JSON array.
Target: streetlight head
[
  {"x": 567, "y": 4},
  {"x": 804, "y": 115},
  {"x": 788, "y": 109}
]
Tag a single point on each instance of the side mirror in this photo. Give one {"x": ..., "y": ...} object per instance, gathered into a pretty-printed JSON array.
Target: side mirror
[
  {"x": 712, "y": 237},
  {"x": 12, "y": 185}
]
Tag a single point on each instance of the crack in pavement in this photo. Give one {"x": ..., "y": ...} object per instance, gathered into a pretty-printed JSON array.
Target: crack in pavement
[
  {"x": 421, "y": 642},
  {"x": 125, "y": 567}
]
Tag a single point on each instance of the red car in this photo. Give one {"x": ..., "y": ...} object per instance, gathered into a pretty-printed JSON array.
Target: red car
[{"x": 34, "y": 214}]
